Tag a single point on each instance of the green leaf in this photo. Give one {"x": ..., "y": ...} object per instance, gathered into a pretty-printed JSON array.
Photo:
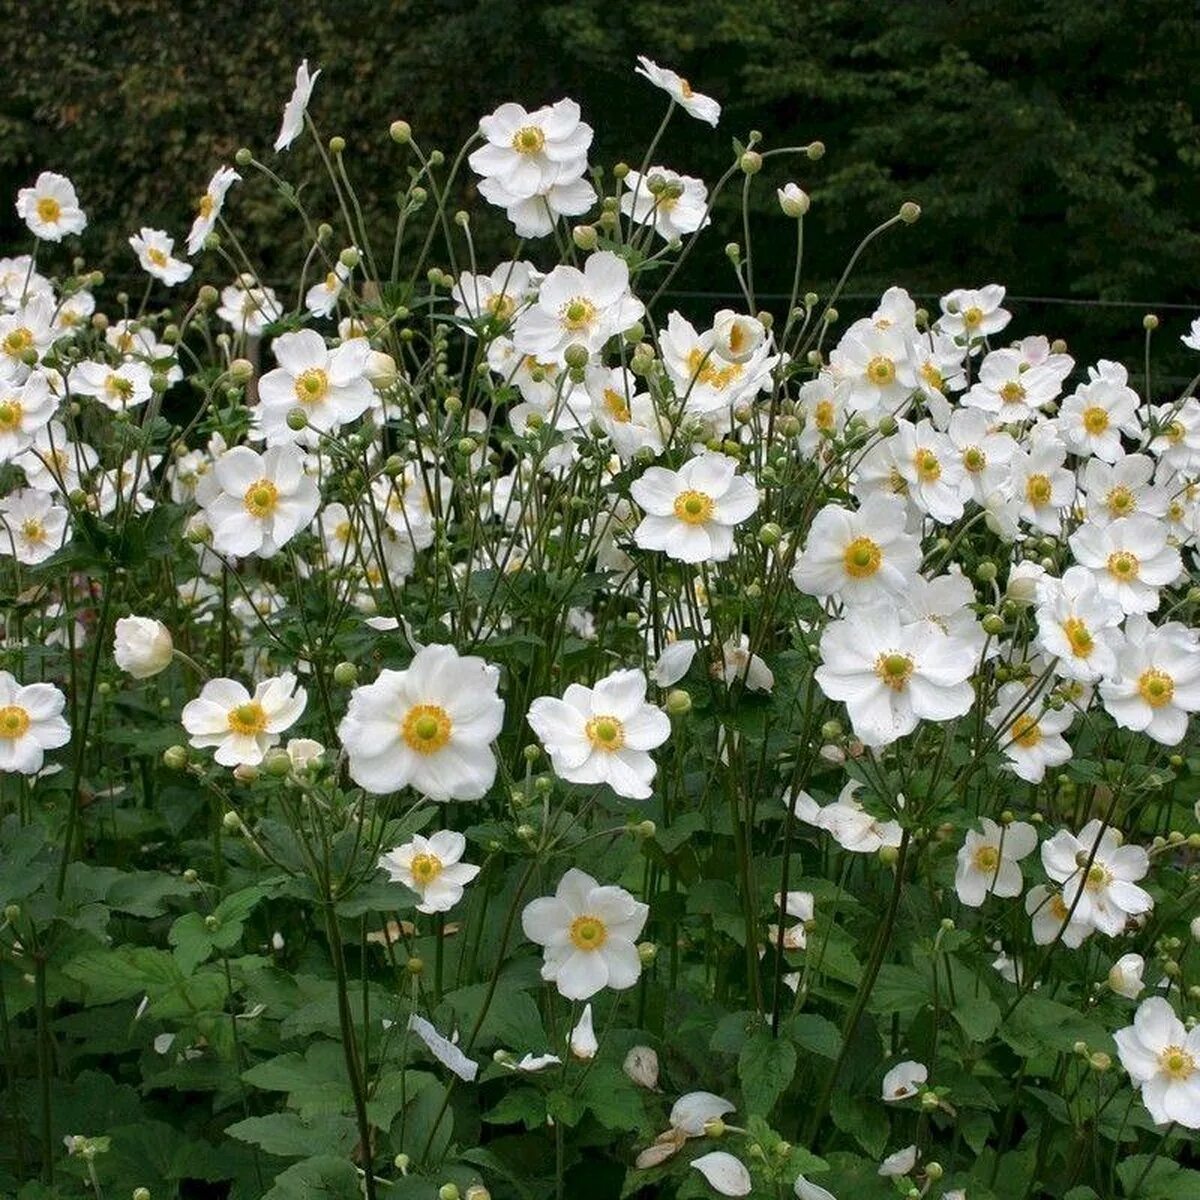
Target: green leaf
[
  {"x": 521, "y": 1106},
  {"x": 865, "y": 1121},
  {"x": 766, "y": 1066},
  {"x": 289, "y": 1135},
  {"x": 321, "y": 1177},
  {"x": 978, "y": 1016},
  {"x": 817, "y": 1034}
]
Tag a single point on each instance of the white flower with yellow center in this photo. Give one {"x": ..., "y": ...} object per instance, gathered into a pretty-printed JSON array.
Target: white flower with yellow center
[
  {"x": 330, "y": 387},
  {"x": 892, "y": 676},
  {"x": 703, "y": 108},
  {"x": 256, "y": 503},
  {"x": 51, "y": 208},
  {"x": 534, "y": 163},
  {"x": 31, "y": 723},
  {"x": 429, "y": 727},
  {"x": 691, "y": 513},
  {"x": 578, "y": 308},
  {"x": 28, "y": 332},
  {"x": 988, "y": 862},
  {"x": 433, "y": 868},
  {"x": 1093, "y": 418},
  {"x": 1041, "y": 487},
  {"x": 154, "y": 248},
  {"x": 1103, "y": 894},
  {"x": 296, "y": 107},
  {"x": 1131, "y": 559},
  {"x": 496, "y": 297},
  {"x": 118, "y": 388},
  {"x": 24, "y": 409},
  {"x": 32, "y": 526},
  {"x": 1155, "y": 686},
  {"x": 877, "y": 364},
  {"x": 1031, "y": 734},
  {"x": 588, "y": 933},
  {"x": 1078, "y": 626},
  {"x": 706, "y": 380},
  {"x": 54, "y": 463},
  {"x": 1121, "y": 489},
  {"x": 627, "y": 415},
  {"x": 971, "y": 313},
  {"x": 240, "y": 726},
  {"x": 603, "y": 734},
  {"x": 926, "y": 463},
  {"x": 248, "y": 307},
  {"x": 670, "y": 203},
  {"x": 851, "y": 825},
  {"x": 1051, "y": 918},
  {"x": 858, "y": 557},
  {"x": 1011, "y": 390},
  {"x": 208, "y": 207},
  {"x": 1176, "y": 443},
  {"x": 1162, "y": 1057}
]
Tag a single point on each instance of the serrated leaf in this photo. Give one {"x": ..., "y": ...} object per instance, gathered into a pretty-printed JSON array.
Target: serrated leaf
[{"x": 766, "y": 1066}]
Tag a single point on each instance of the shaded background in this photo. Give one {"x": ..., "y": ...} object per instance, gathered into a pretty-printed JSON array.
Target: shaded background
[{"x": 1053, "y": 146}]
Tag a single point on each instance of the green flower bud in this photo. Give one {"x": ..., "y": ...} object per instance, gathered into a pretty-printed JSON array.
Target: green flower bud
[
  {"x": 243, "y": 157},
  {"x": 679, "y": 702},
  {"x": 277, "y": 763},
  {"x": 910, "y": 212},
  {"x": 751, "y": 162},
  {"x": 345, "y": 674},
  {"x": 337, "y": 144},
  {"x": 175, "y": 758},
  {"x": 400, "y": 132},
  {"x": 212, "y": 923},
  {"x": 297, "y": 419},
  {"x": 576, "y": 356}
]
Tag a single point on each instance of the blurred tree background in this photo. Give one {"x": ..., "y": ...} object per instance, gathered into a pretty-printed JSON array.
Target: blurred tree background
[{"x": 1052, "y": 145}]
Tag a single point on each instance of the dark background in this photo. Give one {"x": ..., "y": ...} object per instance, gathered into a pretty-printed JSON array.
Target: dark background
[{"x": 1052, "y": 146}]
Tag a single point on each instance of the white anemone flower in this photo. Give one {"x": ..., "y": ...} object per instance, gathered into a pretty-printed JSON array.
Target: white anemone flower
[
  {"x": 24, "y": 409},
  {"x": 256, "y": 503},
  {"x": 1104, "y": 894},
  {"x": 31, "y": 722},
  {"x": 904, "y": 1080},
  {"x": 1131, "y": 559},
  {"x": 242, "y": 727},
  {"x": 1125, "y": 976},
  {"x": 296, "y": 107},
  {"x": 852, "y": 826},
  {"x": 154, "y": 249},
  {"x": 33, "y": 527},
  {"x": 988, "y": 861},
  {"x": 1162, "y": 1057},
  {"x": 603, "y": 734},
  {"x": 429, "y": 727},
  {"x": 695, "y": 104},
  {"x": 51, "y": 208},
  {"x": 433, "y": 868},
  {"x": 725, "y": 1174},
  {"x": 142, "y": 646},
  {"x": 691, "y": 513},
  {"x": 1032, "y": 739},
  {"x": 1052, "y": 918},
  {"x": 208, "y": 207},
  {"x": 677, "y": 205},
  {"x": 588, "y": 932}
]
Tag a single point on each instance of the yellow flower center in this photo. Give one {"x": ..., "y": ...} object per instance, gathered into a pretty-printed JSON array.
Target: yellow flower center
[
  {"x": 261, "y": 499},
  {"x": 693, "y": 508},
  {"x": 739, "y": 339},
  {"x": 1174, "y": 432},
  {"x": 685, "y": 88},
  {"x": 425, "y": 868},
  {"x": 248, "y": 719},
  {"x": 14, "y": 722},
  {"x": 1156, "y": 687},
  {"x": 1098, "y": 876},
  {"x": 824, "y": 414},
  {"x": 881, "y": 371},
  {"x": 1123, "y": 565},
  {"x": 862, "y": 558},
  {"x": 986, "y": 858},
  {"x": 1176, "y": 1062},
  {"x": 33, "y": 531},
  {"x": 529, "y": 139},
  {"x": 614, "y": 404},
  {"x": 973, "y": 317},
  {"x": 312, "y": 386},
  {"x": 1120, "y": 501},
  {"x": 929, "y": 470},
  {"x": 49, "y": 210},
  {"x": 426, "y": 728},
  {"x": 501, "y": 306},
  {"x": 17, "y": 341},
  {"x": 1078, "y": 636},
  {"x": 588, "y": 932},
  {"x": 577, "y": 314},
  {"x": 894, "y": 669},
  {"x": 710, "y": 372},
  {"x": 1058, "y": 906},
  {"x": 933, "y": 377},
  {"x": 1012, "y": 392},
  {"x": 156, "y": 256},
  {"x": 1026, "y": 732},
  {"x": 605, "y": 733},
  {"x": 1038, "y": 490},
  {"x": 1095, "y": 420},
  {"x": 974, "y": 459},
  {"x": 205, "y": 206},
  {"x": 10, "y": 414},
  {"x": 118, "y": 388}
]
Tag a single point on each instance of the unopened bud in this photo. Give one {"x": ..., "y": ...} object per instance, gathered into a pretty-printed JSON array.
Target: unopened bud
[
  {"x": 679, "y": 702},
  {"x": 400, "y": 132},
  {"x": 910, "y": 212}
]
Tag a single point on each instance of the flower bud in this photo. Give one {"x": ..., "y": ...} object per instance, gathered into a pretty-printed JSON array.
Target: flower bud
[
  {"x": 350, "y": 257},
  {"x": 647, "y": 952},
  {"x": 793, "y": 200},
  {"x": 449, "y": 1191},
  {"x": 337, "y": 144},
  {"x": 910, "y": 212},
  {"x": 1149, "y": 322},
  {"x": 175, "y": 758},
  {"x": 576, "y": 355},
  {"x": 141, "y": 1193},
  {"x": 400, "y": 132},
  {"x": 381, "y": 370},
  {"x": 212, "y": 923},
  {"x": 277, "y": 763},
  {"x": 751, "y": 162},
  {"x": 585, "y": 237},
  {"x": 679, "y": 702},
  {"x": 414, "y": 966},
  {"x": 888, "y": 855}
]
